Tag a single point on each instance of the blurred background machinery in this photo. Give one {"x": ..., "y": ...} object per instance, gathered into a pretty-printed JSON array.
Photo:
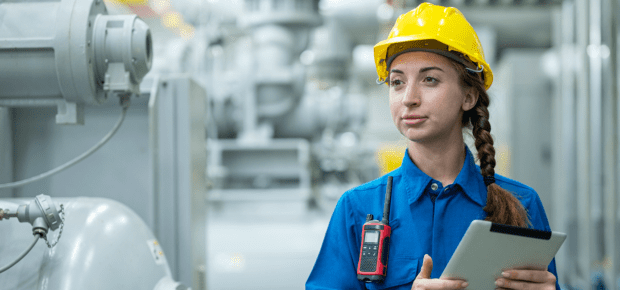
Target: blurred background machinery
[
  {"x": 257, "y": 115},
  {"x": 55, "y": 70},
  {"x": 71, "y": 56}
]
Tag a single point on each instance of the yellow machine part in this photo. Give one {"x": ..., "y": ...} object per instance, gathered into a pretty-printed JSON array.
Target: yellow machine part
[
  {"x": 390, "y": 157},
  {"x": 133, "y": 2}
]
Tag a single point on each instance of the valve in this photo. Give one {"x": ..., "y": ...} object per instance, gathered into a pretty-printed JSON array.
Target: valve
[{"x": 41, "y": 213}]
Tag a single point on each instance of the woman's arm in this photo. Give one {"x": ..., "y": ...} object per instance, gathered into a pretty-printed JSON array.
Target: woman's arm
[{"x": 335, "y": 267}]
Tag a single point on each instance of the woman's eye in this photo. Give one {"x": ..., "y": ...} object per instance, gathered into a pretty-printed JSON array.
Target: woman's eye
[
  {"x": 431, "y": 80},
  {"x": 395, "y": 83}
]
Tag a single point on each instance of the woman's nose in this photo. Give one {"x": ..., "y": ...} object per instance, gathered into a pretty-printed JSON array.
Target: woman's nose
[{"x": 411, "y": 96}]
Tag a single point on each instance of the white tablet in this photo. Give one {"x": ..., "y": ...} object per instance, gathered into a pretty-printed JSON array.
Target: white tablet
[{"x": 487, "y": 249}]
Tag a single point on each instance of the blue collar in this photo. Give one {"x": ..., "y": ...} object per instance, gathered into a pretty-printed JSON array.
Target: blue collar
[{"x": 469, "y": 179}]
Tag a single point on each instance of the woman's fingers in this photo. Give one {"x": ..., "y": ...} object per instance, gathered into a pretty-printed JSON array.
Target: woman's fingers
[
  {"x": 523, "y": 285},
  {"x": 424, "y": 281},
  {"x": 427, "y": 268},
  {"x": 438, "y": 284},
  {"x": 445, "y": 284},
  {"x": 515, "y": 284},
  {"x": 526, "y": 279},
  {"x": 451, "y": 284},
  {"x": 536, "y": 276}
]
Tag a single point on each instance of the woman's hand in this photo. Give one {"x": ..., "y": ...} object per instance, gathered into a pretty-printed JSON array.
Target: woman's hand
[
  {"x": 526, "y": 279},
  {"x": 424, "y": 281}
]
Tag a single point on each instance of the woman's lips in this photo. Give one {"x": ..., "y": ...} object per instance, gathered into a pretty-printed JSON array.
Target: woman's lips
[{"x": 414, "y": 120}]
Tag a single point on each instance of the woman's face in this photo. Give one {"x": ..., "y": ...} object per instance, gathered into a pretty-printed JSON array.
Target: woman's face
[{"x": 427, "y": 100}]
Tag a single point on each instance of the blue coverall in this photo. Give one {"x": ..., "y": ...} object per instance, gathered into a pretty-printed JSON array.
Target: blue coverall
[{"x": 425, "y": 219}]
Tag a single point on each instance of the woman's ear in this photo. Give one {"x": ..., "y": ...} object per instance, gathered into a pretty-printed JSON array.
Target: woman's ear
[{"x": 471, "y": 98}]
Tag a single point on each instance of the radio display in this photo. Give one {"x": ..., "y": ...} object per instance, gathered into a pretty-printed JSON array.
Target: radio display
[{"x": 371, "y": 237}]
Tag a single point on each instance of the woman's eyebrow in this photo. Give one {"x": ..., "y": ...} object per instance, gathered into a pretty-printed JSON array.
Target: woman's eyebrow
[
  {"x": 429, "y": 68},
  {"x": 397, "y": 71}
]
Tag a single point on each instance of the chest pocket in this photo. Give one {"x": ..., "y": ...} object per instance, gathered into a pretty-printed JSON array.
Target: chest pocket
[
  {"x": 400, "y": 274},
  {"x": 403, "y": 267}
]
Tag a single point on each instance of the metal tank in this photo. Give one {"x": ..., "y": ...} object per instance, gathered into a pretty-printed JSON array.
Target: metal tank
[{"x": 104, "y": 245}]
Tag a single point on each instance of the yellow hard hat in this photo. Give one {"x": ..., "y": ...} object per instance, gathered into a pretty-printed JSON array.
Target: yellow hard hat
[{"x": 439, "y": 29}]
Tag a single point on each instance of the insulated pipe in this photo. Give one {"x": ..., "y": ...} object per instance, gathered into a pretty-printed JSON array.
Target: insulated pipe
[
  {"x": 614, "y": 201},
  {"x": 275, "y": 73},
  {"x": 280, "y": 32},
  {"x": 361, "y": 20},
  {"x": 60, "y": 59},
  {"x": 584, "y": 225},
  {"x": 330, "y": 54},
  {"x": 609, "y": 145},
  {"x": 594, "y": 51},
  {"x": 564, "y": 160},
  {"x": 320, "y": 110}
]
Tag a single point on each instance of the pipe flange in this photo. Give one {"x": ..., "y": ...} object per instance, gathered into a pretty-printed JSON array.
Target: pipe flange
[{"x": 123, "y": 54}]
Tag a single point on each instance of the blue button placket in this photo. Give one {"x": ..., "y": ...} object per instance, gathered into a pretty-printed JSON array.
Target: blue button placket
[{"x": 434, "y": 190}]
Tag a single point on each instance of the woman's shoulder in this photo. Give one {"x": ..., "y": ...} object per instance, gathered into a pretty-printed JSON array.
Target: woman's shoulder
[
  {"x": 526, "y": 194},
  {"x": 514, "y": 186},
  {"x": 363, "y": 199},
  {"x": 373, "y": 188},
  {"x": 528, "y": 197},
  {"x": 522, "y": 191},
  {"x": 370, "y": 187},
  {"x": 380, "y": 182}
]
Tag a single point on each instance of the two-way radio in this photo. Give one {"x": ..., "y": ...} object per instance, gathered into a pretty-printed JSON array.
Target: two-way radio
[{"x": 372, "y": 265}]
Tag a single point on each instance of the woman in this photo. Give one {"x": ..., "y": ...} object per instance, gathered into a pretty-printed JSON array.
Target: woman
[{"x": 434, "y": 65}]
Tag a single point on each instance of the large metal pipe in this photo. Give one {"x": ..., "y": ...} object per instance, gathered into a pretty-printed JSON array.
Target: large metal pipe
[
  {"x": 280, "y": 32},
  {"x": 72, "y": 55},
  {"x": 614, "y": 205},
  {"x": 609, "y": 144},
  {"x": 583, "y": 148},
  {"x": 564, "y": 160},
  {"x": 594, "y": 51}
]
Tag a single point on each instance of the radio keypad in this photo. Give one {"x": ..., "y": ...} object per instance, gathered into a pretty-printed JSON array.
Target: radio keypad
[{"x": 369, "y": 258}]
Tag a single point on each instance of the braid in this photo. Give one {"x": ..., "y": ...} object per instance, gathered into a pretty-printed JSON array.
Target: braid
[
  {"x": 502, "y": 206},
  {"x": 483, "y": 139}
]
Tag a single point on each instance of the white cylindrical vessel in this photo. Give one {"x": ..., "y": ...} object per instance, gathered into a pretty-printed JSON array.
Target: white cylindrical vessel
[{"x": 104, "y": 245}]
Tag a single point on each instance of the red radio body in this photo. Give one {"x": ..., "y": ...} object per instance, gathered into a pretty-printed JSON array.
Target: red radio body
[
  {"x": 374, "y": 252},
  {"x": 375, "y": 249}
]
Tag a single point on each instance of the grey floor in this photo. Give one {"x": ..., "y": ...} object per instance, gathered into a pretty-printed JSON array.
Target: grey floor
[{"x": 262, "y": 245}]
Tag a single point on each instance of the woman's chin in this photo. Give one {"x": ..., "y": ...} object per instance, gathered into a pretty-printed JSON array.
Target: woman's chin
[
  {"x": 421, "y": 138},
  {"x": 418, "y": 138},
  {"x": 414, "y": 134}
]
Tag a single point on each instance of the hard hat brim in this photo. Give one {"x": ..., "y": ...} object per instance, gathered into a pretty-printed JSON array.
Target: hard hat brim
[{"x": 381, "y": 55}]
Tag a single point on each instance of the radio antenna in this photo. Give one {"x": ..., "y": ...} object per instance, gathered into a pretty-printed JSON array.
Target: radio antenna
[{"x": 388, "y": 197}]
